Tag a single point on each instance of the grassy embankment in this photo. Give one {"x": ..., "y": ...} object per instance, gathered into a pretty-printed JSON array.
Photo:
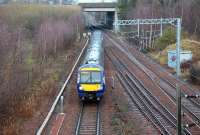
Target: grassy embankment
[
  {"x": 34, "y": 43},
  {"x": 186, "y": 44}
]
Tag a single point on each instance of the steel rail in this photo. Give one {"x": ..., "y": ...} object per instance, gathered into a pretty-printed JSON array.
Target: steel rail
[
  {"x": 98, "y": 121},
  {"x": 40, "y": 130},
  {"x": 187, "y": 102},
  {"x": 171, "y": 119},
  {"x": 191, "y": 102},
  {"x": 149, "y": 73},
  {"x": 80, "y": 120},
  {"x": 168, "y": 94},
  {"x": 195, "y": 102},
  {"x": 133, "y": 79},
  {"x": 172, "y": 84},
  {"x": 128, "y": 91},
  {"x": 196, "y": 91},
  {"x": 157, "y": 115},
  {"x": 139, "y": 65},
  {"x": 145, "y": 101},
  {"x": 137, "y": 103}
]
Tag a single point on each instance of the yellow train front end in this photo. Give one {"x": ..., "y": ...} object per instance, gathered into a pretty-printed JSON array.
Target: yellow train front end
[{"x": 91, "y": 82}]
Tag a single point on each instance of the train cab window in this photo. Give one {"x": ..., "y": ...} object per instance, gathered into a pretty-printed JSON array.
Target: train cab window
[
  {"x": 90, "y": 77},
  {"x": 96, "y": 77},
  {"x": 85, "y": 77}
]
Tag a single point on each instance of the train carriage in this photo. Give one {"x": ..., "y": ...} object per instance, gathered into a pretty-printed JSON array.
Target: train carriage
[{"x": 91, "y": 77}]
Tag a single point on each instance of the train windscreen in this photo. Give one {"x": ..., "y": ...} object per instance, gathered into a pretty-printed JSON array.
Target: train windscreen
[{"x": 90, "y": 77}]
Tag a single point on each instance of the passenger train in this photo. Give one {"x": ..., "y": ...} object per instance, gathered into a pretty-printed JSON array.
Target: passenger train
[{"x": 91, "y": 77}]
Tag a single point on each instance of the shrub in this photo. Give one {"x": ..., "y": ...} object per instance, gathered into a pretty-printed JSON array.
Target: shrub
[
  {"x": 195, "y": 72},
  {"x": 169, "y": 37}
]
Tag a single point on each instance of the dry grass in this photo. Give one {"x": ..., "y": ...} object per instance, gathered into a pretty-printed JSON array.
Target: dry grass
[
  {"x": 10, "y": 128},
  {"x": 189, "y": 45},
  {"x": 24, "y": 106}
]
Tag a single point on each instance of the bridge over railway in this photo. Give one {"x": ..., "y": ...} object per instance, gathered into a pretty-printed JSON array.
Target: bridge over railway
[{"x": 105, "y": 13}]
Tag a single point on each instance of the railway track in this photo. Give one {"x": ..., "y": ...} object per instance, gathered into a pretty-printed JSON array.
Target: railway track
[
  {"x": 148, "y": 107},
  {"x": 190, "y": 107},
  {"x": 194, "y": 117},
  {"x": 164, "y": 75},
  {"x": 89, "y": 120},
  {"x": 148, "y": 104},
  {"x": 170, "y": 79}
]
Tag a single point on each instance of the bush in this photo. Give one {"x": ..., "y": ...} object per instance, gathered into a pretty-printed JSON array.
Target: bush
[
  {"x": 195, "y": 72},
  {"x": 169, "y": 37}
]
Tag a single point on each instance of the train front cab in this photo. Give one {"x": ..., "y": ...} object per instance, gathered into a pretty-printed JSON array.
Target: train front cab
[{"x": 91, "y": 83}]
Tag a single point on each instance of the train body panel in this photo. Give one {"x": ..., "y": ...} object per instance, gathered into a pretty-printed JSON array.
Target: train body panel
[
  {"x": 91, "y": 77},
  {"x": 95, "y": 50}
]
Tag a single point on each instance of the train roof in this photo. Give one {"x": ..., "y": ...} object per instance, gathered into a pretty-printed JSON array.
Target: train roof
[{"x": 95, "y": 50}]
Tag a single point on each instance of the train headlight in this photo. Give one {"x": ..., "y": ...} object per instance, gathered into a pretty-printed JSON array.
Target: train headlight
[
  {"x": 101, "y": 87},
  {"x": 80, "y": 88}
]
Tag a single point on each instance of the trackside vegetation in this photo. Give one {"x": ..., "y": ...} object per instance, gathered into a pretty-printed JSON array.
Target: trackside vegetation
[{"x": 35, "y": 42}]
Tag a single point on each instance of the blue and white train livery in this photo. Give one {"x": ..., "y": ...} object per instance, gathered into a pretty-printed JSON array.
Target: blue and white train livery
[{"x": 91, "y": 77}]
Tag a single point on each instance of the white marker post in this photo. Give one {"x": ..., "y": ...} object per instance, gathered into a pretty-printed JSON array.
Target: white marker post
[
  {"x": 61, "y": 104},
  {"x": 113, "y": 82}
]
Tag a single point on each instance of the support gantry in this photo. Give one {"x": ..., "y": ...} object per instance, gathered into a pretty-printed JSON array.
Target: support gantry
[
  {"x": 176, "y": 22},
  {"x": 173, "y": 21}
]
